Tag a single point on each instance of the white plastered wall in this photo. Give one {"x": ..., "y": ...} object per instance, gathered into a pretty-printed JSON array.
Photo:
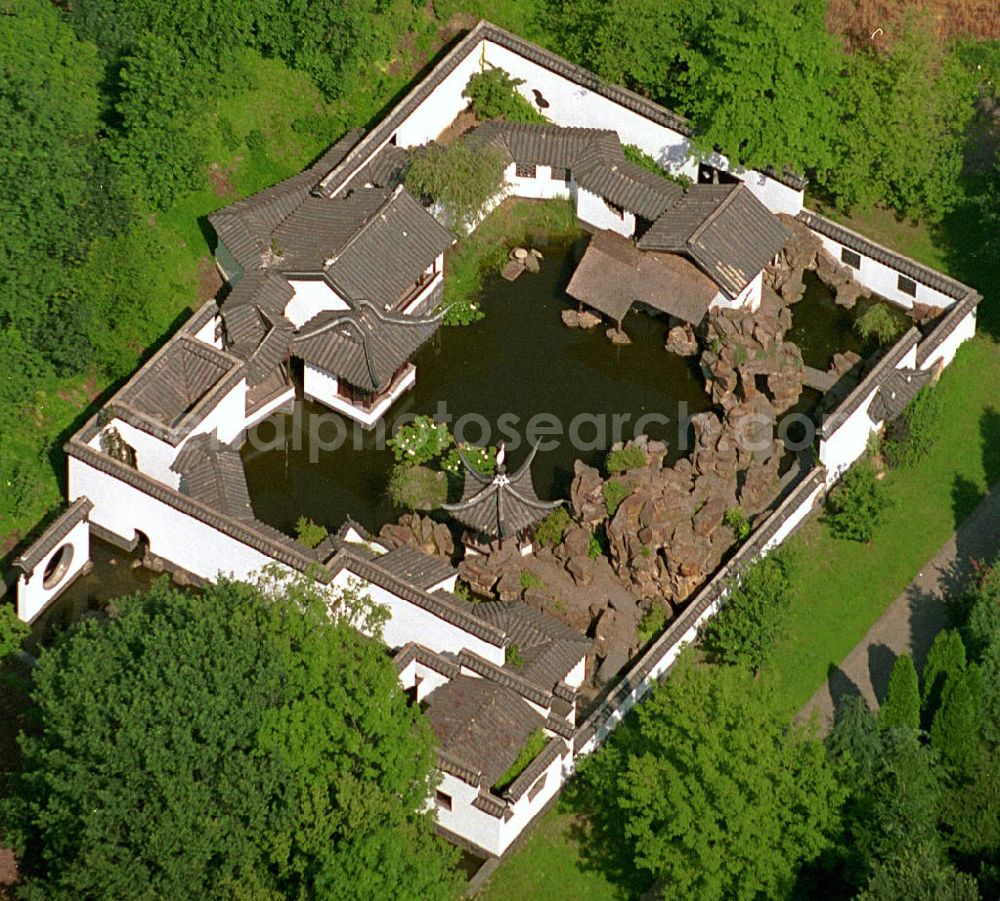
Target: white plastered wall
[
  {"x": 542, "y": 187},
  {"x": 321, "y": 386},
  {"x": 407, "y": 622},
  {"x": 32, "y": 595},
  {"x": 592, "y": 209},
  {"x": 946, "y": 350},
  {"x": 748, "y": 298},
  {"x": 312, "y": 297}
]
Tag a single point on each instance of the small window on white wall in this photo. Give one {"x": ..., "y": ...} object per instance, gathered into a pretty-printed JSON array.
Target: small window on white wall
[
  {"x": 523, "y": 171},
  {"x": 851, "y": 258},
  {"x": 614, "y": 208},
  {"x": 443, "y": 800},
  {"x": 907, "y": 285}
]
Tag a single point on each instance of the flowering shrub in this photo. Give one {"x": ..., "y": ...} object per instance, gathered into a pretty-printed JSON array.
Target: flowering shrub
[{"x": 421, "y": 441}]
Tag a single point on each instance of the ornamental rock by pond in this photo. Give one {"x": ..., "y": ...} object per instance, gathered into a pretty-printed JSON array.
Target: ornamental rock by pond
[
  {"x": 681, "y": 340},
  {"x": 420, "y": 532}
]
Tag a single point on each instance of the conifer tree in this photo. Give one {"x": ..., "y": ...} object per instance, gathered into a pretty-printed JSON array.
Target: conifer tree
[{"x": 901, "y": 709}]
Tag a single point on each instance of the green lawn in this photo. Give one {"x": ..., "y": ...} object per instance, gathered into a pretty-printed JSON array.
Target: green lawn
[{"x": 549, "y": 865}]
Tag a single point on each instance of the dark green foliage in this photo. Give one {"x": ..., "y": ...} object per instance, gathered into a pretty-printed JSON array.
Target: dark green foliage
[
  {"x": 708, "y": 790},
  {"x": 652, "y": 623},
  {"x": 878, "y": 324},
  {"x": 417, "y": 487},
  {"x": 901, "y": 708},
  {"x": 594, "y": 549},
  {"x": 626, "y": 458},
  {"x": 532, "y": 748},
  {"x": 981, "y": 604},
  {"x": 911, "y": 435},
  {"x": 244, "y": 726},
  {"x": 856, "y": 506},
  {"x": 753, "y": 614},
  {"x": 945, "y": 662},
  {"x": 255, "y": 141},
  {"x": 460, "y": 177},
  {"x": 550, "y": 531},
  {"x": 49, "y": 160},
  {"x": 918, "y": 872},
  {"x": 493, "y": 94},
  {"x": 311, "y": 534},
  {"x": 12, "y": 632},
  {"x": 955, "y": 729},
  {"x": 635, "y": 155},
  {"x": 159, "y": 152},
  {"x": 737, "y": 520},
  {"x": 903, "y": 118},
  {"x": 615, "y": 491}
]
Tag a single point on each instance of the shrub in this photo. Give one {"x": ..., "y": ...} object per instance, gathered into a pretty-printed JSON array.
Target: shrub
[
  {"x": 494, "y": 95},
  {"x": 255, "y": 141},
  {"x": 911, "y": 435},
  {"x": 857, "y": 505},
  {"x": 462, "y": 312},
  {"x": 626, "y": 458},
  {"x": 879, "y": 324},
  {"x": 532, "y": 748},
  {"x": 309, "y": 533},
  {"x": 594, "y": 549},
  {"x": 531, "y": 580},
  {"x": 460, "y": 178},
  {"x": 550, "y": 531},
  {"x": 652, "y": 622},
  {"x": 227, "y": 134},
  {"x": 417, "y": 487},
  {"x": 634, "y": 155},
  {"x": 615, "y": 492},
  {"x": 737, "y": 520},
  {"x": 420, "y": 441},
  {"x": 752, "y": 617},
  {"x": 513, "y": 655}
]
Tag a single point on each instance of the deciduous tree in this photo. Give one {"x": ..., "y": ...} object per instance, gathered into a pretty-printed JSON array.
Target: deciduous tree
[{"x": 239, "y": 742}]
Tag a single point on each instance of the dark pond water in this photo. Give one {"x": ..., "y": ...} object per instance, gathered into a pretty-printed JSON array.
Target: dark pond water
[
  {"x": 112, "y": 576},
  {"x": 519, "y": 362},
  {"x": 821, "y": 328}
]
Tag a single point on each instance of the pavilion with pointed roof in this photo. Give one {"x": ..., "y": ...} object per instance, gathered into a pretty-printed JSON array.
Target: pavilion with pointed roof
[{"x": 500, "y": 506}]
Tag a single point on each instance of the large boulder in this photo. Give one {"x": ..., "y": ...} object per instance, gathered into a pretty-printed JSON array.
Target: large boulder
[{"x": 682, "y": 341}]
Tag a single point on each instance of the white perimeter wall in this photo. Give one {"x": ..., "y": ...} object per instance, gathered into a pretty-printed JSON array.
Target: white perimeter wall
[
  {"x": 445, "y": 102},
  {"x": 182, "y": 539},
  {"x": 946, "y": 350},
  {"x": 882, "y": 279},
  {"x": 32, "y": 595},
  {"x": 849, "y": 442},
  {"x": 541, "y": 187},
  {"x": 573, "y": 105},
  {"x": 408, "y": 622}
]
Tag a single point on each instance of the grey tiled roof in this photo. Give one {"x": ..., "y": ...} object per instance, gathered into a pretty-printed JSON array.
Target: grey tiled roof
[
  {"x": 413, "y": 651},
  {"x": 481, "y": 723},
  {"x": 365, "y": 347},
  {"x": 896, "y": 392},
  {"x": 50, "y": 539},
  {"x": 505, "y": 675},
  {"x": 500, "y": 506},
  {"x": 866, "y": 247},
  {"x": 269, "y": 355},
  {"x": 387, "y": 256},
  {"x": 410, "y": 563},
  {"x": 548, "y": 649},
  {"x": 177, "y": 388},
  {"x": 613, "y": 274},
  {"x": 727, "y": 231},
  {"x": 627, "y": 185},
  {"x": 213, "y": 474},
  {"x": 247, "y": 226}
]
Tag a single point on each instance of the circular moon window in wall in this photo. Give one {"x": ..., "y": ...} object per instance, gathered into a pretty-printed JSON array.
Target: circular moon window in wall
[{"x": 58, "y": 566}]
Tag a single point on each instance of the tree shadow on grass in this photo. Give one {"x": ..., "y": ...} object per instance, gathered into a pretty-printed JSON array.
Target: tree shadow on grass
[
  {"x": 989, "y": 432},
  {"x": 965, "y": 497}
]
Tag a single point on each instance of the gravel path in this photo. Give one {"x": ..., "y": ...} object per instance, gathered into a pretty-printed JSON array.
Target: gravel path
[{"x": 914, "y": 618}]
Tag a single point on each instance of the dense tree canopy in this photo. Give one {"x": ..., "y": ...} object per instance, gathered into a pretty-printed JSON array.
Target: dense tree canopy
[
  {"x": 713, "y": 793},
  {"x": 236, "y": 743}
]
